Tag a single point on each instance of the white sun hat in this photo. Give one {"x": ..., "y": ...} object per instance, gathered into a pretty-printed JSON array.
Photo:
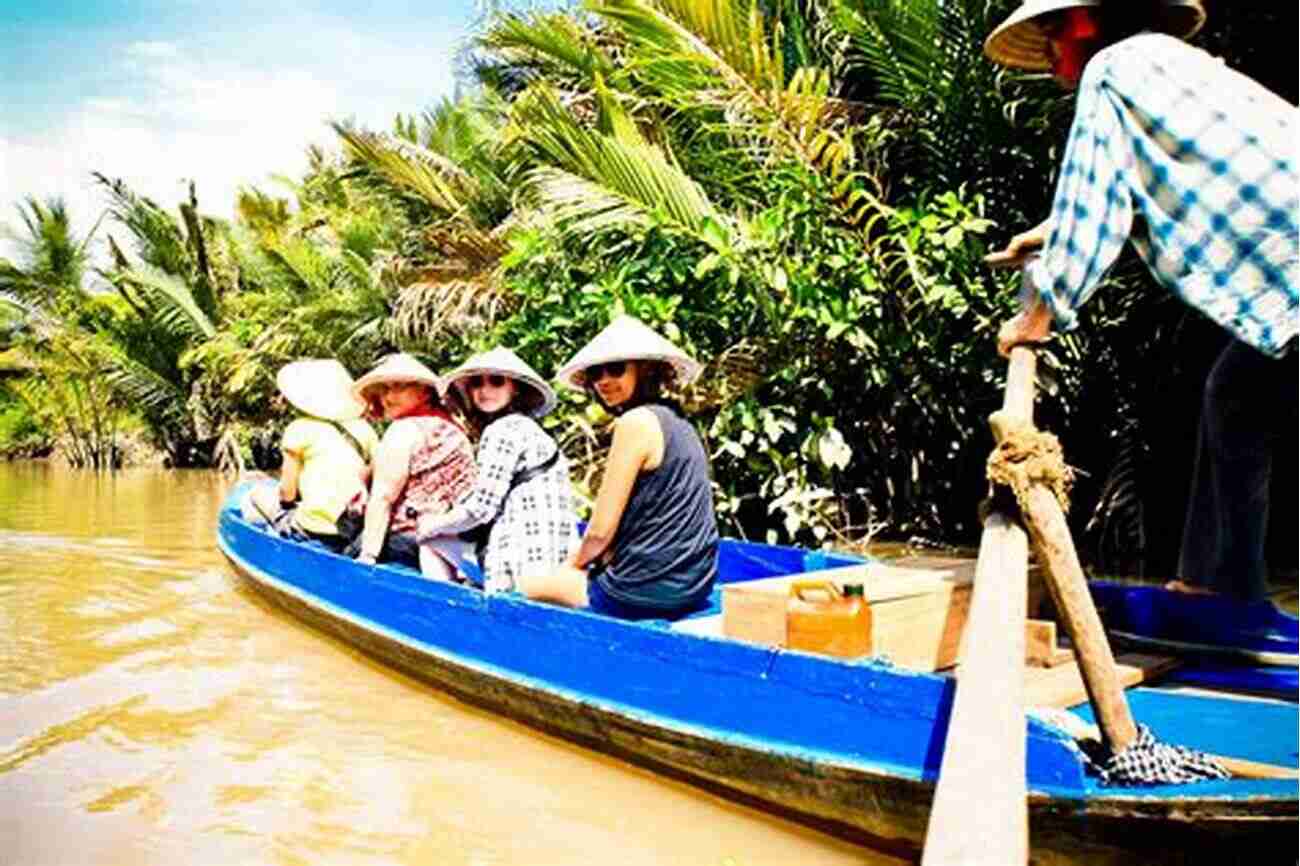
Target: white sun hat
[
  {"x": 503, "y": 362},
  {"x": 399, "y": 368},
  {"x": 1021, "y": 43},
  {"x": 320, "y": 387},
  {"x": 627, "y": 339}
]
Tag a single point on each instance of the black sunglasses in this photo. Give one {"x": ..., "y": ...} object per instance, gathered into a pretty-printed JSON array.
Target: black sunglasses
[
  {"x": 613, "y": 369},
  {"x": 496, "y": 380}
]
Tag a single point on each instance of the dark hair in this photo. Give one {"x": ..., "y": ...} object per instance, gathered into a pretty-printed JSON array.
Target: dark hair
[
  {"x": 525, "y": 400},
  {"x": 652, "y": 377}
]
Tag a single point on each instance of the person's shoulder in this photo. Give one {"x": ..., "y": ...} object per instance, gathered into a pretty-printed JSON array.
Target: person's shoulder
[
  {"x": 509, "y": 431},
  {"x": 362, "y": 430},
  {"x": 515, "y": 422},
  {"x": 1138, "y": 56},
  {"x": 642, "y": 418},
  {"x": 303, "y": 430},
  {"x": 403, "y": 431}
]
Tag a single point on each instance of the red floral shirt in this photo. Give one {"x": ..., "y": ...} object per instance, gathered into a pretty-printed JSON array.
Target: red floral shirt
[{"x": 442, "y": 469}]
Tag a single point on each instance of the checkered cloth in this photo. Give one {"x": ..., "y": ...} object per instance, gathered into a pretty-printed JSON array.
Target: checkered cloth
[
  {"x": 533, "y": 523},
  {"x": 1206, "y": 156},
  {"x": 1147, "y": 761}
]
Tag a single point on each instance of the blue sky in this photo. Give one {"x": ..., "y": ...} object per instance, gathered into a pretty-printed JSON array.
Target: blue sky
[{"x": 226, "y": 94}]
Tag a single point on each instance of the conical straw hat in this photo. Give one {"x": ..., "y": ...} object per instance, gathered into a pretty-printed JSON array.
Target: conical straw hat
[
  {"x": 627, "y": 339},
  {"x": 399, "y": 368},
  {"x": 320, "y": 387},
  {"x": 1021, "y": 43},
  {"x": 501, "y": 361}
]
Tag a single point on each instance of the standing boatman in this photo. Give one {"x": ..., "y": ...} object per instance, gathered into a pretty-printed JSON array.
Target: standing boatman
[{"x": 1205, "y": 157}]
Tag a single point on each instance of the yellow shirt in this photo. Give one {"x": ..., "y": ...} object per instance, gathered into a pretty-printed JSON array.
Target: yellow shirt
[{"x": 331, "y": 469}]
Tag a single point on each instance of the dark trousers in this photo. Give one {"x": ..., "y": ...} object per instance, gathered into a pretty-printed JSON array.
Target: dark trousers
[{"x": 1249, "y": 404}]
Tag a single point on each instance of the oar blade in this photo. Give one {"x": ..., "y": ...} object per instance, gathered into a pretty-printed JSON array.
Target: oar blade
[{"x": 980, "y": 815}]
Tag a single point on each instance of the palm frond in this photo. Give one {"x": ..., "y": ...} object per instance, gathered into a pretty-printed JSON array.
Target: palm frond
[
  {"x": 552, "y": 43},
  {"x": 416, "y": 170},
  {"x": 723, "y": 56},
  {"x": 306, "y": 263},
  {"x": 144, "y": 388},
  {"x": 168, "y": 300},
  {"x": 596, "y": 180},
  {"x": 899, "y": 43},
  {"x": 452, "y": 304},
  {"x": 159, "y": 240},
  {"x": 731, "y": 374}
]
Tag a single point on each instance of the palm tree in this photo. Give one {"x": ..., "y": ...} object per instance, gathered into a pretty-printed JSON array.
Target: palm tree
[
  {"x": 169, "y": 285},
  {"x": 59, "y": 362}
]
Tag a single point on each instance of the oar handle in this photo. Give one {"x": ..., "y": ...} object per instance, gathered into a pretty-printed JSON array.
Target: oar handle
[
  {"x": 1065, "y": 579},
  {"x": 1018, "y": 400}
]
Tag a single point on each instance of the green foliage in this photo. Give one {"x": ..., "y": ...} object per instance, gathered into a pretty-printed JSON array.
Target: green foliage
[
  {"x": 798, "y": 193},
  {"x": 21, "y": 432}
]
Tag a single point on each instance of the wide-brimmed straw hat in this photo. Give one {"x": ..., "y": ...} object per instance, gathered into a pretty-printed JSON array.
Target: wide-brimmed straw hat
[
  {"x": 503, "y": 362},
  {"x": 1021, "y": 43},
  {"x": 320, "y": 387},
  {"x": 399, "y": 368},
  {"x": 627, "y": 339}
]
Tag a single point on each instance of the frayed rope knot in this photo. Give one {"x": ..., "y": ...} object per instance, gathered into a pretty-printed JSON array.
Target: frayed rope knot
[{"x": 1025, "y": 457}]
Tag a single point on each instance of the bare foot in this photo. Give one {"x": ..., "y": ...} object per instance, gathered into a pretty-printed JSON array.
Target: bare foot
[{"x": 1189, "y": 589}]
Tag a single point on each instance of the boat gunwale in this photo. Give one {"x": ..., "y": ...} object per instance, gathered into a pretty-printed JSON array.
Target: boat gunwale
[{"x": 1082, "y": 802}]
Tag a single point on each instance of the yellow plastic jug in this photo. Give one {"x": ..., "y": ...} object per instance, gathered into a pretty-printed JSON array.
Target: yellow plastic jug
[{"x": 820, "y": 618}]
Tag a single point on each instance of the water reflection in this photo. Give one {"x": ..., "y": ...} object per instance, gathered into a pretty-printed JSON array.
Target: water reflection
[{"x": 153, "y": 707}]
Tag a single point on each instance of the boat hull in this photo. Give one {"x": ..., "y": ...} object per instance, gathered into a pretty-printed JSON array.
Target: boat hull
[{"x": 851, "y": 749}]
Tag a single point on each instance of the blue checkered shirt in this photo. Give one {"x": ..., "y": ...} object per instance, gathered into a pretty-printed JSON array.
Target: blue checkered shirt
[{"x": 1206, "y": 156}]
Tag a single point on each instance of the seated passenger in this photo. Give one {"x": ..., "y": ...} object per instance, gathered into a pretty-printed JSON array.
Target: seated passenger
[
  {"x": 326, "y": 452},
  {"x": 423, "y": 465},
  {"x": 652, "y": 545},
  {"x": 522, "y": 502}
]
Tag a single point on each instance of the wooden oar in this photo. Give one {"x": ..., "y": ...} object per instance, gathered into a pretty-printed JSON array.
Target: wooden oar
[
  {"x": 1045, "y": 521},
  {"x": 979, "y": 814}
]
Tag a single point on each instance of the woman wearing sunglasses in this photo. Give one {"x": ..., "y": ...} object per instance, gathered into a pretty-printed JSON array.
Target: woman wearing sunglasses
[
  {"x": 522, "y": 502},
  {"x": 651, "y": 549}
]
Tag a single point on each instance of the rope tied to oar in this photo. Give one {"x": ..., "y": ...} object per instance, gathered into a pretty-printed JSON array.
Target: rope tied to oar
[{"x": 1024, "y": 457}]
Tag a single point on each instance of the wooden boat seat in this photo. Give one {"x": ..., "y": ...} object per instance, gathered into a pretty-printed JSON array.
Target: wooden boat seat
[
  {"x": 708, "y": 626},
  {"x": 1062, "y": 686}
]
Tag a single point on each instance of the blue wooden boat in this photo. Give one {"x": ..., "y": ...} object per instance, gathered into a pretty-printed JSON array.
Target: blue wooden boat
[
  {"x": 1226, "y": 643},
  {"x": 853, "y": 748}
]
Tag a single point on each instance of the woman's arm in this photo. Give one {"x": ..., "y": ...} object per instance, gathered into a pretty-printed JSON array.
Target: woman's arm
[
  {"x": 498, "y": 461},
  {"x": 637, "y": 440},
  {"x": 391, "y": 469},
  {"x": 289, "y": 472}
]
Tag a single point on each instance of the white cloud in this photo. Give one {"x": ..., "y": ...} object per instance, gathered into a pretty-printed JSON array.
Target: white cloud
[
  {"x": 153, "y": 49},
  {"x": 224, "y": 125}
]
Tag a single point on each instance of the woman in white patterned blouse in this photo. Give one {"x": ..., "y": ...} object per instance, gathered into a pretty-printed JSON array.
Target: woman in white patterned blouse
[{"x": 520, "y": 511}]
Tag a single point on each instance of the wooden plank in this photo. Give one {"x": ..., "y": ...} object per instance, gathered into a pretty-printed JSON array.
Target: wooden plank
[
  {"x": 921, "y": 633},
  {"x": 918, "y": 615},
  {"x": 881, "y": 581},
  {"x": 963, "y": 569},
  {"x": 1041, "y": 648},
  {"x": 1063, "y": 686},
  {"x": 708, "y": 626},
  {"x": 984, "y": 753},
  {"x": 984, "y": 749}
]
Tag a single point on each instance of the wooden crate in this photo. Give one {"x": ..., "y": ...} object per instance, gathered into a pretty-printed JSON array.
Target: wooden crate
[{"x": 917, "y": 613}]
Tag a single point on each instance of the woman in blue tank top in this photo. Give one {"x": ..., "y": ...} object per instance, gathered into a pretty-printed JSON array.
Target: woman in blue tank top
[{"x": 651, "y": 549}]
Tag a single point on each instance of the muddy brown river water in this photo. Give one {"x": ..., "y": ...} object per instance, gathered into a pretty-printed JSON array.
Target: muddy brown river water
[{"x": 154, "y": 710}]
